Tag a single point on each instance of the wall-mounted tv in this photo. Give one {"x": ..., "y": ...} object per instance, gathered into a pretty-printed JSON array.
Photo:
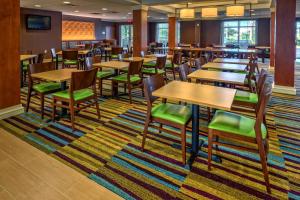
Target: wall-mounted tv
[{"x": 38, "y": 22}]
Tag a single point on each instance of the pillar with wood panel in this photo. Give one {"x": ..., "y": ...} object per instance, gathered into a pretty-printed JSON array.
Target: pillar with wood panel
[
  {"x": 285, "y": 46},
  {"x": 172, "y": 31},
  {"x": 140, "y": 29},
  {"x": 272, "y": 39},
  {"x": 10, "y": 59}
]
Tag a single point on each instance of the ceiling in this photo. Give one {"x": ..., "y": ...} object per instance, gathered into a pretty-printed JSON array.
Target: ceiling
[{"x": 121, "y": 10}]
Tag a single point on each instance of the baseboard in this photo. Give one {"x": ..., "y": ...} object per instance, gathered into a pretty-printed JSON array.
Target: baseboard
[
  {"x": 11, "y": 111},
  {"x": 284, "y": 89}
]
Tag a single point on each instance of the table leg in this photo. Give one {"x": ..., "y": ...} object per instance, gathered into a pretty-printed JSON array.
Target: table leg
[
  {"x": 115, "y": 87},
  {"x": 263, "y": 55},
  {"x": 64, "y": 111}
]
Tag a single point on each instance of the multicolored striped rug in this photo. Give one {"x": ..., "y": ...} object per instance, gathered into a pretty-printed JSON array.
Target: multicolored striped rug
[{"x": 108, "y": 152}]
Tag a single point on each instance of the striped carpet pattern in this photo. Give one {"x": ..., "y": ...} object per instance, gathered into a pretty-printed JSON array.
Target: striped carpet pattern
[{"x": 109, "y": 152}]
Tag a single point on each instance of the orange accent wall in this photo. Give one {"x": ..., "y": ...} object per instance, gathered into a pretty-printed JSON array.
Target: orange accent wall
[{"x": 75, "y": 30}]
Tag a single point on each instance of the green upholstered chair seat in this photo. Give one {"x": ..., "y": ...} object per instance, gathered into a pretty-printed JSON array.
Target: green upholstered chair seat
[
  {"x": 104, "y": 74},
  {"x": 170, "y": 66},
  {"x": 241, "y": 72},
  {"x": 252, "y": 83},
  {"x": 78, "y": 95},
  {"x": 149, "y": 64},
  {"x": 46, "y": 87},
  {"x": 245, "y": 96},
  {"x": 123, "y": 78},
  {"x": 58, "y": 59},
  {"x": 235, "y": 124},
  {"x": 114, "y": 56},
  {"x": 70, "y": 62},
  {"x": 124, "y": 69},
  {"x": 152, "y": 71},
  {"x": 172, "y": 112}
]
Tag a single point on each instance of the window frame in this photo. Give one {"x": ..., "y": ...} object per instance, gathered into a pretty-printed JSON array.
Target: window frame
[
  {"x": 157, "y": 37},
  {"x": 130, "y": 38}
]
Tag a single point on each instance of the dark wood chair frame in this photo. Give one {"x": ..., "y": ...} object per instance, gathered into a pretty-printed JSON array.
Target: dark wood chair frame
[
  {"x": 177, "y": 59},
  {"x": 70, "y": 55},
  {"x": 159, "y": 65},
  {"x": 150, "y": 84}
]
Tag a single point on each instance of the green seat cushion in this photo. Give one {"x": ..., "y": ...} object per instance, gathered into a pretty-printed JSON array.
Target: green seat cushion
[
  {"x": 114, "y": 56},
  {"x": 241, "y": 72},
  {"x": 46, "y": 87},
  {"x": 58, "y": 59},
  {"x": 252, "y": 82},
  {"x": 78, "y": 95},
  {"x": 245, "y": 96},
  {"x": 172, "y": 112},
  {"x": 25, "y": 67},
  {"x": 235, "y": 124},
  {"x": 123, "y": 78},
  {"x": 104, "y": 74},
  {"x": 149, "y": 64},
  {"x": 170, "y": 66},
  {"x": 70, "y": 62},
  {"x": 152, "y": 71}
]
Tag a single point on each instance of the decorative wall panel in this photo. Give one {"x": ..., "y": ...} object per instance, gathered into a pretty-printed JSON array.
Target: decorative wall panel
[{"x": 75, "y": 30}]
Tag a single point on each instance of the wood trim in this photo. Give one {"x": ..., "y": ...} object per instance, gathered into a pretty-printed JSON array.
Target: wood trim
[
  {"x": 140, "y": 31},
  {"x": 172, "y": 32},
  {"x": 11, "y": 111}
]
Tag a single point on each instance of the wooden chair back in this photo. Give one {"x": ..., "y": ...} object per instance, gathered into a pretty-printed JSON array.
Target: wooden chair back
[
  {"x": 161, "y": 62},
  {"x": 70, "y": 55},
  {"x": 151, "y": 84},
  {"x": 40, "y": 58},
  {"x": 116, "y": 50},
  {"x": 177, "y": 58},
  {"x": 184, "y": 71},
  {"x": 83, "y": 79},
  {"x": 88, "y": 46},
  {"x": 39, "y": 68},
  {"x": 261, "y": 81},
  {"x": 135, "y": 68}
]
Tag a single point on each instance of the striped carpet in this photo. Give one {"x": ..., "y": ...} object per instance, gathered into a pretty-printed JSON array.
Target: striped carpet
[{"x": 108, "y": 152}]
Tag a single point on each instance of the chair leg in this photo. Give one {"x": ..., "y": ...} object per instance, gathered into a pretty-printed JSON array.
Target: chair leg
[
  {"x": 264, "y": 164},
  {"x": 174, "y": 77},
  {"x": 125, "y": 88},
  {"x": 28, "y": 98},
  {"x": 129, "y": 93},
  {"x": 210, "y": 141},
  {"x": 97, "y": 107},
  {"x": 72, "y": 113},
  {"x": 208, "y": 114},
  {"x": 53, "y": 109},
  {"x": 160, "y": 126},
  {"x": 42, "y": 105},
  {"x": 145, "y": 133},
  {"x": 183, "y": 145},
  {"x": 142, "y": 88},
  {"x": 100, "y": 86}
]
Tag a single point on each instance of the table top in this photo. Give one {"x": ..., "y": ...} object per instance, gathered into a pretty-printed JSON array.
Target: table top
[
  {"x": 59, "y": 75},
  {"x": 159, "y": 55},
  {"x": 205, "y": 95},
  {"x": 112, "y": 64},
  {"x": 27, "y": 57},
  {"x": 80, "y": 52},
  {"x": 231, "y": 61},
  {"x": 263, "y": 47},
  {"x": 216, "y": 76},
  {"x": 225, "y": 66},
  {"x": 146, "y": 59},
  {"x": 211, "y": 49}
]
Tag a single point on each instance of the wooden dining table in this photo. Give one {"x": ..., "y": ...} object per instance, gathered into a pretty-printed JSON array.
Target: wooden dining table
[
  {"x": 146, "y": 59},
  {"x": 232, "y": 61},
  {"x": 218, "y": 76},
  {"x": 80, "y": 52},
  {"x": 159, "y": 55},
  {"x": 197, "y": 95},
  {"x": 225, "y": 66},
  {"x": 25, "y": 57},
  {"x": 61, "y": 76}
]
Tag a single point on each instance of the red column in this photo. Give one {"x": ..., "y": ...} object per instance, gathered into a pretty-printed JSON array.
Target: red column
[
  {"x": 285, "y": 47},
  {"x": 172, "y": 32},
  {"x": 272, "y": 40},
  {"x": 140, "y": 29}
]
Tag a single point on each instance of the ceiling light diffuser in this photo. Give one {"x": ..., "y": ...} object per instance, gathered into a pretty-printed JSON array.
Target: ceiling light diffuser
[{"x": 209, "y": 12}]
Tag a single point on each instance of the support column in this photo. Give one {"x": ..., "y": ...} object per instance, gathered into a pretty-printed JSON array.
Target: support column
[
  {"x": 140, "y": 29},
  {"x": 272, "y": 39},
  {"x": 172, "y": 32},
  {"x": 285, "y": 46}
]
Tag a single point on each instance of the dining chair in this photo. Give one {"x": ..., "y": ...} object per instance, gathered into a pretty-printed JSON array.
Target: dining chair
[
  {"x": 115, "y": 51},
  {"x": 40, "y": 88},
  {"x": 133, "y": 78},
  {"x": 82, "y": 90},
  {"x": 238, "y": 127},
  {"x": 159, "y": 67},
  {"x": 101, "y": 74},
  {"x": 173, "y": 66},
  {"x": 40, "y": 59},
  {"x": 164, "y": 113},
  {"x": 70, "y": 58},
  {"x": 55, "y": 58}
]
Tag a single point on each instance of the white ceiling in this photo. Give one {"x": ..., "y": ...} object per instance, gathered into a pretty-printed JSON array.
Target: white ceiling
[{"x": 121, "y": 10}]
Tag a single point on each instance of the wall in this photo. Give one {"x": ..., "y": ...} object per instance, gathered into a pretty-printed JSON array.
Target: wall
[
  {"x": 190, "y": 32},
  {"x": 9, "y": 53},
  {"x": 38, "y": 41},
  {"x": 263, "y": 32},
  {"x": 210, "y": 32},
  {"x": 100, "y": 26}
]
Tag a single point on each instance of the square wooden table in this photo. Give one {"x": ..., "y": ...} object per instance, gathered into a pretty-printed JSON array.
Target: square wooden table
[
  {"x": 146, "y": 59},
  {"x": 80, "y": 52},
  {"x": 197, "y": 94},
  {"x": 22, "y": 59},
  {"x": 159, "y": 55},
  {"x": 218, "y": 76},
  {"x": 232, "y": 61},
  {"x": 225, "y": 66}
]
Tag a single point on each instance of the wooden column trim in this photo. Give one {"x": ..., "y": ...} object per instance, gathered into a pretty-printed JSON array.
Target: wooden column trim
[
  {"x": 285, "y": 46},
  {"x": 140, "y": 30},
  {"x": 172, "y": 32},
  {"x": 272, "y": 40}
]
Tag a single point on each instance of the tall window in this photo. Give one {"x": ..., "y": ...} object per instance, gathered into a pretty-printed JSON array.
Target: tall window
[
  {"x": 162, "y": 30},
  {"x": 239, "y": 32},
  {"x": 298, "y": 34},
  {"x": 126, "y": 35}
]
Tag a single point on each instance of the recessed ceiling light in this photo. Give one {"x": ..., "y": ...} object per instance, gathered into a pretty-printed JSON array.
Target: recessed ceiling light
[
  {"x": 149, "y": 16},
  {"x": 104, "y": 15},
  {"x": 67, "y": 2},
  {"x": 129, "y": 13},
  {"x": 161, "y": 18},
  {"x": 190, "y": 3},
  {"x": 37, "y": 6},
  {"x": 77, "y": 11},
  {"x": 124, "y": 17},
  {"x": 253, "y": 14},
  {"x": 104, "y": 8}
]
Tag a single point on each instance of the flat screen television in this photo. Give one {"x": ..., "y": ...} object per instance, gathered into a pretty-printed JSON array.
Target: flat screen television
[{"x": 38, "y": 22}]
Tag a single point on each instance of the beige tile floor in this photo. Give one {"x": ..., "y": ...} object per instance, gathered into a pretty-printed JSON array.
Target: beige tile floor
[{"x": 27, "y": 173}]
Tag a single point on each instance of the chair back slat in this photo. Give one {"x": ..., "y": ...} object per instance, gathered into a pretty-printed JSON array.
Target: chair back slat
[
  {"x": 135, "y": 68},
  {"x": 83, "y": 79},
  {"x": 151, "y": 84}
]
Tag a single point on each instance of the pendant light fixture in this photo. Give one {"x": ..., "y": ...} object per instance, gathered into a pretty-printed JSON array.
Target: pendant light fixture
[
  {"x": 235, "y": 10},
  {"x": 209, "y": 12},
  {"x": 187, "y": 13}
]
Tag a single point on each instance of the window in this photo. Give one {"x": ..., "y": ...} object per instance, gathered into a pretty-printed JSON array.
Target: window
[
  {"x": 126, "y": 35},
  {"x": 298, "y": 34},
  {"x": 178, "y": 32},
  {"x": 162, "y": 30},
  {"x": 239, "y": 32}
]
